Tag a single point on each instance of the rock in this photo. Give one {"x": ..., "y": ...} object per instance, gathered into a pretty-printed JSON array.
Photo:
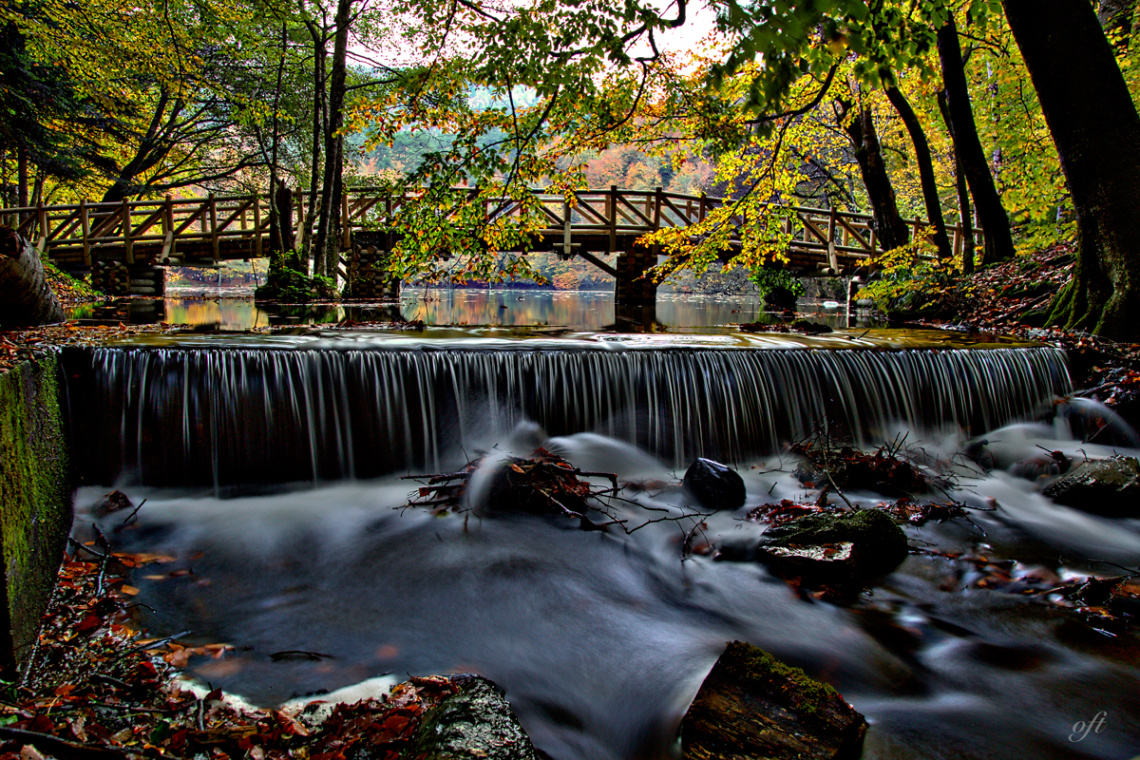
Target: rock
[
  {"x": 979, "y": 454},
  {"x": 1041, "y": 466},
  {"x": 714, "y": 485},
  {"x": 754, "y": 706},
  {"x": 116, "y": 501},
  {"x": 1091, "y": 421},
  {"x": 475, "y": 723},
  {"x": 1102, "y": 486},
  {"x": 842, "y": 551},
  {"x": 811, "y": 328}
]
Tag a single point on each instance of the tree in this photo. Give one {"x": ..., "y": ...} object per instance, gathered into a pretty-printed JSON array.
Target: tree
[
  {"x": 1096, "y": 128},
  {"x": 925, "y": 169},
  {"x": 971, "y": 156}
]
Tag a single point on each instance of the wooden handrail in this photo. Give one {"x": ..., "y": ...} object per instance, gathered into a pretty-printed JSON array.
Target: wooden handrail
[{"x": 598, "y": 217}]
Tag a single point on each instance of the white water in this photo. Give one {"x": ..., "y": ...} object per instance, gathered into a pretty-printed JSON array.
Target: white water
[{"x": 601, "y": 640}]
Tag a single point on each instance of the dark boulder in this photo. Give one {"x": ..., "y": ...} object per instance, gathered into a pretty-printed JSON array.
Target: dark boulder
[
  {"x": 1102, "y": 486},
  {"x": 714, "y": 485},
  {"x": 474, "y": 723},
  {"x": 754, "y": 706},
  {"x": 843, "y": 551},
  {"x": 811, "y": 328}
]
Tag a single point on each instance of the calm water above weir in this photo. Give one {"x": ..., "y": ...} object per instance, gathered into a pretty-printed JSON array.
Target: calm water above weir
[
  {"x": 230, "y": 310},
  {"x": 272, "y": 471}
]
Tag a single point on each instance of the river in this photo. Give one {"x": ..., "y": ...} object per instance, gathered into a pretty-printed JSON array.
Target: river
[{"x": 272, "y": 469}]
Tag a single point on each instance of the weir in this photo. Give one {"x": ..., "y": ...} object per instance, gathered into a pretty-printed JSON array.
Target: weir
[
  {"x": 238, "y": 416},
  {"x": 600, "y": 639}
]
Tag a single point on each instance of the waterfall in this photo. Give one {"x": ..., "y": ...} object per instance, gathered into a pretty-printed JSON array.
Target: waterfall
[{"x": 234, "y": 416}]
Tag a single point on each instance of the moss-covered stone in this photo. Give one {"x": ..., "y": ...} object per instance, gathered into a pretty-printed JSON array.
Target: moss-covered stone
[
  {"x": 840, "y": 550},
  {"x": 35, "y": 501},
  {"x": 475, "y": 723},
  {"x": 1102, "y": 486},
  {"x": 751, "y": 705}
]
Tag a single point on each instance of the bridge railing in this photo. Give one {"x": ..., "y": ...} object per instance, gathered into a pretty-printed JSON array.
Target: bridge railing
[{"x": 237, "y": 226}]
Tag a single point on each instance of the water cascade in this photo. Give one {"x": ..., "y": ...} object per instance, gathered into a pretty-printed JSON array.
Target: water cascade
[
  {"x": 275, "y": 509},
  {"x": 238, "y": 416}
]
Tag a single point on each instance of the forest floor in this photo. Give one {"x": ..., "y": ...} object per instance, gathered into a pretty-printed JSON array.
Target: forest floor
[{"x": 1005, "y": 298}]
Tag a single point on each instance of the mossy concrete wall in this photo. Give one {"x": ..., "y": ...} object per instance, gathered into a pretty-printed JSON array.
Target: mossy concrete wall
[{"x": 35, "y": 501}]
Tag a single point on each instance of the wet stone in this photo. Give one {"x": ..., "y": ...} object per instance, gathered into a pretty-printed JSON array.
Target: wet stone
[
  {"x": 754, "y": 706},
  {"x": 1102, "y": 486},
  {"x": 844, "y": 551},
  {"x": 714, "y": 485},
  {"x": 475, "y": 723}
]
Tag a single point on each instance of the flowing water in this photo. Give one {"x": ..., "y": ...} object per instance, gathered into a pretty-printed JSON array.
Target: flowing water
[{"x": 271, "y": 469}]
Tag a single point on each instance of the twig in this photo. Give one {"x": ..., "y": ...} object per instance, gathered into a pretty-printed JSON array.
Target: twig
[
  {"x": 155, "y": 644},
  {"x": 61, "y": 748},
  {"x": 130, "y": 517}
]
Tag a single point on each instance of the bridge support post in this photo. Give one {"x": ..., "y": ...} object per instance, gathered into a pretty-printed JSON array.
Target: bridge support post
[
  {"x": 368, "y": 276},
  {"x": 631, "y": 287},
  {"x": 118, "y": 279}
]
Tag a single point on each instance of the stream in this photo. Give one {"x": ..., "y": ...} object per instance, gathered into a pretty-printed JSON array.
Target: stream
[{"x": 273, "y": 473}]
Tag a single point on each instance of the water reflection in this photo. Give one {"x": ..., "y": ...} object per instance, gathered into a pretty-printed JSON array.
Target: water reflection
[{"x": 574, "y": 310}]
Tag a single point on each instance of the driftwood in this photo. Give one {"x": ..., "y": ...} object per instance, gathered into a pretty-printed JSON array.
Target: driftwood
[{"x": 26, "y": 299}]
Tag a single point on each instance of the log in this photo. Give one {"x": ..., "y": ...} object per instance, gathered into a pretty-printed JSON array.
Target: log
[
  {"x": 753, "y": 706},
  {"x": 26, "y": 299}
]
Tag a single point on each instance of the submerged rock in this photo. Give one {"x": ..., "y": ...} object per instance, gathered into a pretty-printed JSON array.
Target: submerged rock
[
  {"x": 843, "y": 551},
  {"x": 811, "y": 328},
  {"x": 1044, "y": 465},
  {"x": 1102, "y": 486},
  {"x": 754, "y": 706},
  {"x": 714, "y": 485},
  {"x": 475, "y": 723}
]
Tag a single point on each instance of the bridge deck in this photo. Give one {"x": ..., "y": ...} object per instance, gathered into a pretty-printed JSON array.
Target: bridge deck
[{"x": 217, "y": 228}]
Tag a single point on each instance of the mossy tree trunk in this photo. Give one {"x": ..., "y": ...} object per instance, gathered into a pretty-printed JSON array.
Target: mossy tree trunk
[{"x": 1097, "y": 132}]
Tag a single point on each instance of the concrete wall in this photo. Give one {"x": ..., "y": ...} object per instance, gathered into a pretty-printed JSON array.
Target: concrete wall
[{"x": 35, "y": 501}]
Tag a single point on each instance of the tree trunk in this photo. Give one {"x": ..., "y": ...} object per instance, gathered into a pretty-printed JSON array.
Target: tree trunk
[
  {"x": 964, "y": 212},
  {"x": 1115, "y": 18},
  {"x": 283, "y": 205},
  {"x": 889, "y": 226},
  {"x": 25, "y": 297},
  {"x": 968, "y": 146},
  {"x": 22, "y": 176},
  {"x": 318, "y": 36},
  {"x": 925, "y": 170},
  {"x": 1097, "y": 133},
  {"x": 329, "y": 226}
]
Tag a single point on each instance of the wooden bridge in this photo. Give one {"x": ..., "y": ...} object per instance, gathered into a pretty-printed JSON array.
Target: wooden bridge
[{"x": 205, "y": 231}]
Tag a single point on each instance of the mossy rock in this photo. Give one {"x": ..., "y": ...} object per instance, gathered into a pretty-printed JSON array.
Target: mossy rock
[
  {"x": 289, "y": 282},
  {"x": 1102, "y": 486},
  {"x": 843, "y": 551},
  {"x": 475, "y": 723},
  {"x": 751, "y": 705}
]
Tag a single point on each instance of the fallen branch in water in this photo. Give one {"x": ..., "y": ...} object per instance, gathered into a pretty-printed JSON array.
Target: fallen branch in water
[{"x": 542, "y": 484}]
